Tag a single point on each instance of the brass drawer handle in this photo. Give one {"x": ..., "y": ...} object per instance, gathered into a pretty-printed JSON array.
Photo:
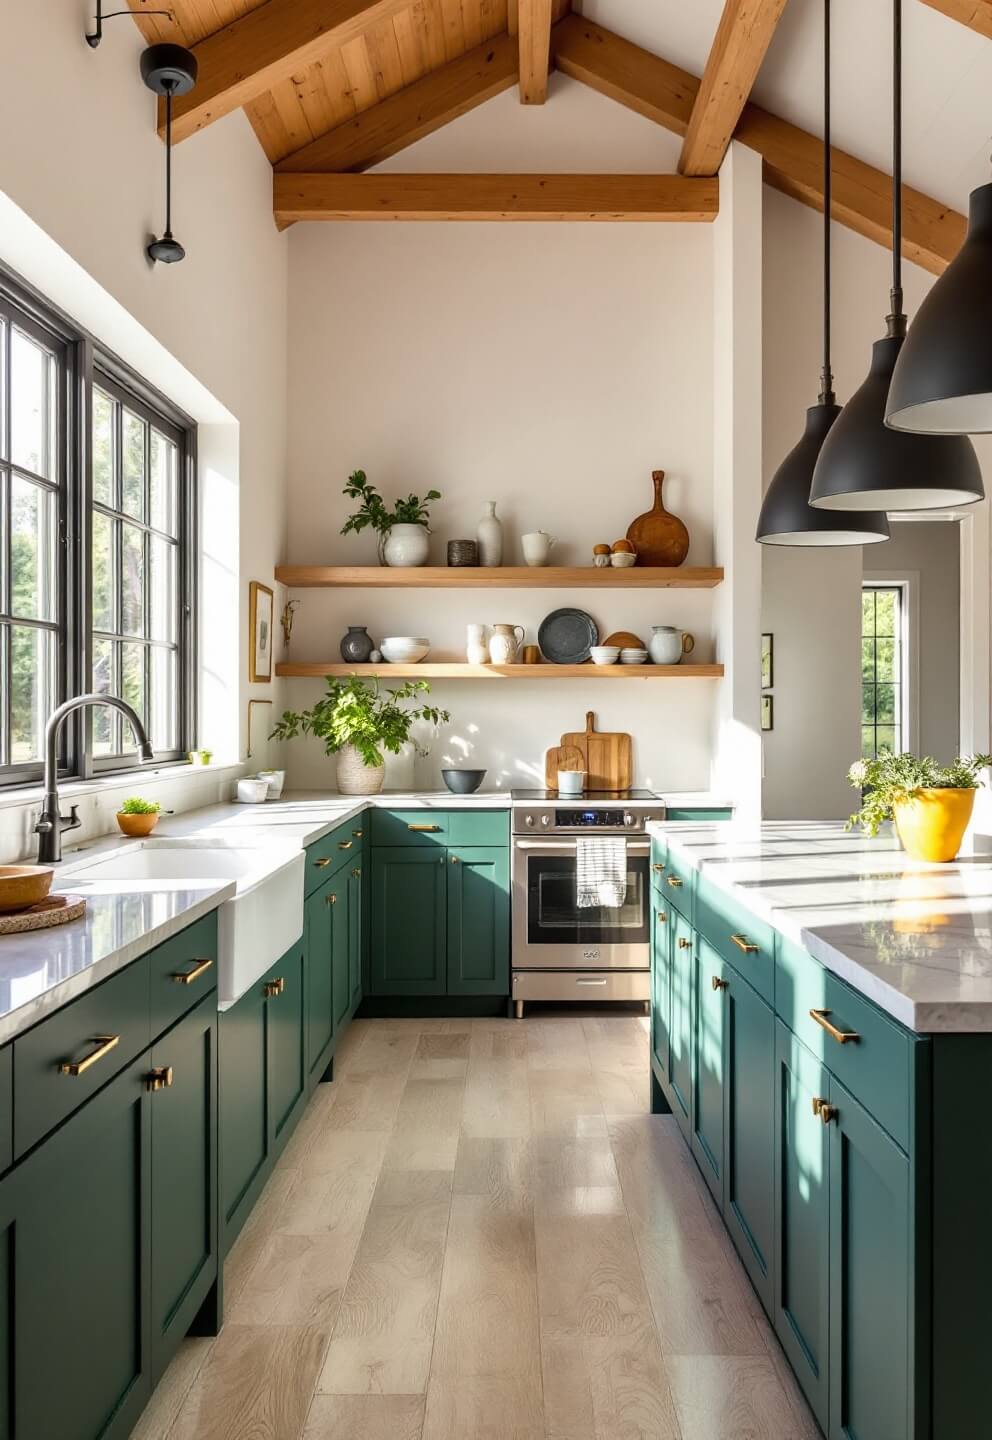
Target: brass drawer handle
[
  {"x": 330, "y": 899},
  {"x": 159, "y": 1079},
  {"x": 743, "y": 943},
  {"x": 358, "y": 834},
  {"x": 454, "y": 859},
  {"x": 658, "y": 869},
  {"x": 274, "y": 987},
  {"x": 322, "y": 864},
  {"x": 345, "y": 844},
  {"x": 357, "y": 872},
  {"x": 684, "y": 944},
  {"x": 104, "y": 1044},
  {"x": 719, "y": 984},
  {"x": 200, "y": 968},
  {"x": 662, "y": 917},
  {"x": 674, "y": 881},
  {"x": 843, "y": 1037},
  {"x": 427, "y": 829},
  {"x": 824, "y": 1109}
]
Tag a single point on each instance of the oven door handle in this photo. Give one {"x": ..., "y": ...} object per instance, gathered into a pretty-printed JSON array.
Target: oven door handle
[{"x": 634, "y": 847}]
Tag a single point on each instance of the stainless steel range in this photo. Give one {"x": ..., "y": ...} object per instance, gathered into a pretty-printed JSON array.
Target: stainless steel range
[{"x": 562, "y": 952}]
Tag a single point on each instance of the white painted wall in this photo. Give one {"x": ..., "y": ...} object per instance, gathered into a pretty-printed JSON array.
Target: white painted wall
[{"x": 548, "y": 367}]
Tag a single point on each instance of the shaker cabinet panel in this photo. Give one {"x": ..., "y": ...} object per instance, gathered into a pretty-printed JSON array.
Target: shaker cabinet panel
[
  {"x": 478, "y": 922},
  {"x": 319, "y": 935},
  {"x": 244, "y": 1126},
  {"x": 709, "y": 986},
  {"x": 356, "y": 937},
  {"x": 749, "y": 1123},
  {"x": 680, "y": 1029},
  {"x": 287, "y": 1068},
  {"x": 661, "y": 980},
  {"x": 409, "y": 920}
]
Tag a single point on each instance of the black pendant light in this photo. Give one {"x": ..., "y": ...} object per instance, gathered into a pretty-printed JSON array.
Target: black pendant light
[
  {"x": 864, "y": 465},
  {"x": 786, "y": 516},
  {"x": 168, "y": 70}
]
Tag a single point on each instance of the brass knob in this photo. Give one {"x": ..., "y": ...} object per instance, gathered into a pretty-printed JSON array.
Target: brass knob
[
  {"x": 330, "y": 899},
  {"x": 719, "y": 984},
  {"x": 828, "y": 1113},
  {"x": 356, "y": 872},
  {"x": 454, "y": 859},
  {"x": 274, "y": 987},
  {"x": 159, "y": 1079},
  {"x": 684, "y": 944},
  {"x": 674, "y": 881},
  {"x": 662, "y": 917},
  {"x": 358, "y": 834},
  {"x": 657, "y": 869}
]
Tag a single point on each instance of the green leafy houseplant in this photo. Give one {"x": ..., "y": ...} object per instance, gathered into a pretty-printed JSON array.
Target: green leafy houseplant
[
  {"x": 373, "y": 513},
  {"x": 890, "y": 779},
  {"x": 363, "y": 717},
  {"x": 134, "y": 805}
]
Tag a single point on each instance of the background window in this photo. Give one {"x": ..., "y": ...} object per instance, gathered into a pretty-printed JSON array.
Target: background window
[
  {"x": 883, "y": 679},
  {"x": 32, "y": 508}
]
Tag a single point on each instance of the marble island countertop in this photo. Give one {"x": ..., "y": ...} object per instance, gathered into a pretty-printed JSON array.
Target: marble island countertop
[{"x": 914, "y": 938}]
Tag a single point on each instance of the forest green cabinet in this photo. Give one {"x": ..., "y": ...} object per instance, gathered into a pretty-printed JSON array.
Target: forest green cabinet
[
  {"x": 680, "y": 1030},
  {"x": 707, "y": 1102},
  {"x": 409, "y": 920},
  {"x": 749, "y": 1131},
  {"x": 478, "y": 929},
  {"x": 318, "y": 936},
  {"x": 661, "y": 980},
  {"x": 356, "y": 935},
  {"x": 287, "y": 1070}
]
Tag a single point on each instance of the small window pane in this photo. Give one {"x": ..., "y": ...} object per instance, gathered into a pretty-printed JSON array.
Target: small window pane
[
  {"x": 32, "y": 405},
  {"x": 885, "y": 612},
  {"x": 162, "y": 580},
  {"x": 867, "y": 661},
  {"x": 32, "y": 550},
  {"x": 104, "y": 683},
  {"x": 887, "y": 737},
  {"x": 133, "y": 490},
  {"x": 163, "y": 483},
  {"x": 103, "y": 448},
  {"x": 32, "y": 691},
  {"x": 132, "y": 687},
  {"x": 164, "y": 704},
  {"x": 132, "y": 580},
  {"x": 886, "y": 661},
  {"x": 868, "y": 741},
  {"x": 868, "y": 704},
  {"x": 867, "y": 612},
  {"x": 885, "y": 702},
  {"x": 104, "y": 609}
]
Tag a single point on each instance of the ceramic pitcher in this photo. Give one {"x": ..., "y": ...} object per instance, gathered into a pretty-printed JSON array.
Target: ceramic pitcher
[
  {"x": 503, "y": 643},
  {"x": 668, "y": 645}
]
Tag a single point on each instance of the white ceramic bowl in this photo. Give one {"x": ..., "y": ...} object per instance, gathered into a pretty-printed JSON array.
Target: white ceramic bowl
[
  {"x": 404, "y": 649},
  {"x": 605, "y": 654},
  {"x": 633, "y": 657},
  {"x": 621, "y": 559}
]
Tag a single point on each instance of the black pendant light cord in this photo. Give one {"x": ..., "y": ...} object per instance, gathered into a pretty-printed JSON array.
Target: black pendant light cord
[
  {"x": 168, "y": 164},
  {"x": 827, "y": 396},
  {"x": 896, "y": 320}
]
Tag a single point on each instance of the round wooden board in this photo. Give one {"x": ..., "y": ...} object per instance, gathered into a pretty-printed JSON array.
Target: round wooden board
[
  {"x": 625, "y": 639},
  {"x": 56, "y": 910}
]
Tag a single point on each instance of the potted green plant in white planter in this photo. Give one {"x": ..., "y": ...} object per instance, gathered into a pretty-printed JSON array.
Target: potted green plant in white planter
[
  {"x": 402, "y": 531},
  {"x": 357, "y": 720}
]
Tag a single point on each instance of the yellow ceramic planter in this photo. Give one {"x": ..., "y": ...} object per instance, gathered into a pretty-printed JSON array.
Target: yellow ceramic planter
[{"x": 931, "y": 823}]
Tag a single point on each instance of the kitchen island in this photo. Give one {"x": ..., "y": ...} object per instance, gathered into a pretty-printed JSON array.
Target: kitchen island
[{"x": 822, "y": 1032}]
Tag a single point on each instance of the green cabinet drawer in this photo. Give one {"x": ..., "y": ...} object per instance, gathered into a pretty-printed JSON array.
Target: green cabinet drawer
[
  {"x": 326, "y": 856},
  {"x": 479, "y": 827},
  {"x": 96, "y": 1035},
  {"x": 678, "y": 883},
  {"x": 659, "y": 856},
  {"x": 701, "y": 817},
  {"x": 6, "y": 1110},
  {"x": 744, "y": 941},
  {"x": 182, "y": 972},
  {"x": 409, "y": 827},
  {"x": 869, "y": 1053}
]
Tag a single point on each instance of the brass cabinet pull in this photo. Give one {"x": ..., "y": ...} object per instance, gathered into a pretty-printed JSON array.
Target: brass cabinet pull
[
  {"x": 330, "y": 899},
  {"x": 428, "y": 829},
  {"x": 322, "y": 864},
  {"x": 824, "y": 1109},
  {"x": 843, "y": 1037},
  {"x": 684, "y": 944},
  {"x": 719, "y": 984},
  {"x": 159, "y": 1079},
  {"x": 358, "y": 834},
  {"x": 104, "y": 1044},
  {"x": 357, "y": 872},
  {"x": 454, "y": 859},
  {"x": 200, "y": 968},
  {"x": 345, "y": 844},
  {"x": 674, "y": 881},
  {"x": 274, "y": 987},
  {"x": 662, "y": 917},
  {"x": 743, "y": 943},
  {"x": 657, "y": 869}
]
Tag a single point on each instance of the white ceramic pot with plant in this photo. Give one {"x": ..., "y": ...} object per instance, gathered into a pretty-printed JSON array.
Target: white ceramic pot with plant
[
  {"x": 403, "y": 531},
  {"x": 359, "y": 719}
]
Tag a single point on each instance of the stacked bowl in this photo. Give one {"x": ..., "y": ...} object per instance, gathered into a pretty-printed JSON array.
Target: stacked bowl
[
  {"x": 632, "y": 656},
  {"x": 405, "y": 649},
  {"x": 605, "y": 654}
]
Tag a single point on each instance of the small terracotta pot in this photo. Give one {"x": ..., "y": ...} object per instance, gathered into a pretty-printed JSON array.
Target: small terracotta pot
[{"x": 135, "y": 825}]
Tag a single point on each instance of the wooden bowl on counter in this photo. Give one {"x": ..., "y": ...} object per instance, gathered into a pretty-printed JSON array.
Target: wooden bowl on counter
[{"x": 22, "y": 886}]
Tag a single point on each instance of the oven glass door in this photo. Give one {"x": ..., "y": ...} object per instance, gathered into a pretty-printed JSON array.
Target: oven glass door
[{"x": 550, "y": 928}]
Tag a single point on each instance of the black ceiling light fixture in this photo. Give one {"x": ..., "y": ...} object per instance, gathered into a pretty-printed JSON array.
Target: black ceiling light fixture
[
  {"x": 94, "y": 36},
  {"x": 168, "y": 70},
  {"x": 786, "y": 516},
  {"x": 865, "y": 465}
]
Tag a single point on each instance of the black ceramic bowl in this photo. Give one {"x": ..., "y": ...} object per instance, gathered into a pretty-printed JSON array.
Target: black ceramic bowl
[{"x": 463, "y": 782}]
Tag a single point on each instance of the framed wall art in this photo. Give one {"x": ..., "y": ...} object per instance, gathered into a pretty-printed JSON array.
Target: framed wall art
[
  {"x": 259, "y": 632},
  {"x": 767, "y": 661},
  {"x": 767, "y": 712}
]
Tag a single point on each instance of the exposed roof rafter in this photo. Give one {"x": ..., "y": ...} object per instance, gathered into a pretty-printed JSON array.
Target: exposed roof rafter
[
  {"x": 976, "y": 14},
  {"x": 534, "y": 20}
]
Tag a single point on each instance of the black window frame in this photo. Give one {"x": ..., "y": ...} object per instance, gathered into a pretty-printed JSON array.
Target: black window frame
[{"x": 84, "y": 363}]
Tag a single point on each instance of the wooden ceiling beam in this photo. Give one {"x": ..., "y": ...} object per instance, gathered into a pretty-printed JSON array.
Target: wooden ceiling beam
[
  {"x": 413, "y": 112},
  {"x": 256, "y": 51},
  {"x": 742, "y": 38},
  {"x": 976, "y": 14},
  {"x": 382, "y": 196},
  {"x": 862, "y": 195},
  {"x": 533, "y": 20}
]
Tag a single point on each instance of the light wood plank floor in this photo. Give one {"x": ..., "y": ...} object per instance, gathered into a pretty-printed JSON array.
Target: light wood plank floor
[{"x": 478, "y": 1232}]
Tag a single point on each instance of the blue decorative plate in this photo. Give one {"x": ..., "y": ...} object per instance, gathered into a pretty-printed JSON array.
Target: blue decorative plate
[{"x": 567, "y": 636}]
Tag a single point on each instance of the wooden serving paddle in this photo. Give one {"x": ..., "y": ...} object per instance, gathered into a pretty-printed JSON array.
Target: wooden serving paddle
[{"x": 561, "y": 757}]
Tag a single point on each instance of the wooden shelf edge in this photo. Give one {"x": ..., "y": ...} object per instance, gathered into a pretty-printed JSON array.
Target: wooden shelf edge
[
  {"x": 455, "y": 671},
  {"x": 545, "y": 577}
]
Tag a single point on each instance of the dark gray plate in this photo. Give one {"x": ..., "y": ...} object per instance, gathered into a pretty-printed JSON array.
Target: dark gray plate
[{"x": 567, "y": 636}]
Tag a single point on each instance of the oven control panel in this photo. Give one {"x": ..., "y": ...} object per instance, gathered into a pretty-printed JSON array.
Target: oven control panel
[{"x": 572, "y": 820}]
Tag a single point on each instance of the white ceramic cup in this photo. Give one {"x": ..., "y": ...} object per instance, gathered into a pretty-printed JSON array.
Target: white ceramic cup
[
  {"x": 252, "y": 791},
  {"x": 537, "y": 547},
  {"x": 571, "y": 782}
]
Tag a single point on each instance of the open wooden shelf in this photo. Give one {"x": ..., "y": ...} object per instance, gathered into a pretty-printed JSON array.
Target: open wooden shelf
[
  {"x": 515, "y": 577},
  {"x": 428, "y": 670}
]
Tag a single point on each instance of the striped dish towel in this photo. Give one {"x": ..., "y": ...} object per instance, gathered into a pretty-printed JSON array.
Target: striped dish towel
[{"x": 600, "y": 871}]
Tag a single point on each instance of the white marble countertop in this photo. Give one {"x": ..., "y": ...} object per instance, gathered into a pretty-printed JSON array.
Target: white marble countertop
[{"x": 914, "y": 938}]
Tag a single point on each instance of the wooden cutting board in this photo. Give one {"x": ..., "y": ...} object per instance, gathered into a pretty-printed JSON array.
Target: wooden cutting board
[
  {"x": 561, "y": 757},
  {"x": 608, "y": 755}
]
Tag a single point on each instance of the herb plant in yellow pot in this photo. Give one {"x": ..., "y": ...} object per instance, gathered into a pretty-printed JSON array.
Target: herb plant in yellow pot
[{"x": 931, "y": 804}]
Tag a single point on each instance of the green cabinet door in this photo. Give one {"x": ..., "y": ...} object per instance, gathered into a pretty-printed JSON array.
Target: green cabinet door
[
  {"x": 680, "y": 1028},
  {"x": 184, "y": 1177},
  {"x": 244, "y": 1125},
  {"x": 80, "y": 1257},
  {"x": 661, "y": 980},
  {"x": 356, "y": 932},
  {"x": 286, "y": 1070},
  {"x": 478, "y": 920},
  {"x": 409, "y": 914},
  {"x": 802, "y": 1219},
  {"x": 340, "y": 889},
  {"x": 318, "y": 939},
  {"x": 709, "y": 985},
  {"x": 870, "y": 1267},
  {"x": 749, "y": 1131}
]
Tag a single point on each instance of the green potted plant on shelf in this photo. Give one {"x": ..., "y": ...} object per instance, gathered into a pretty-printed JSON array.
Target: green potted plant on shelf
[
  {"x": 357, "y": 720},
  {"x": 402, "y": 531},
  {"x": 138, "y": 817},
  {"x": 930, "y": 803}
]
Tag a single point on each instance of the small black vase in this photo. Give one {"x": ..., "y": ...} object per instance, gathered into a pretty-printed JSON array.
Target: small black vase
[{"x": 356, "y": 646}]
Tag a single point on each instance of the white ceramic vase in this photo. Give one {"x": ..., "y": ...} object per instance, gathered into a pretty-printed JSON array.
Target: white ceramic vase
[
  {"x": 490, "y": 536},
  {"x": 476, "y": 649},
  {"x": 355, "y": 777},
  {"x": 503, "y": 644},
  {"x": 406, "y": 545}
]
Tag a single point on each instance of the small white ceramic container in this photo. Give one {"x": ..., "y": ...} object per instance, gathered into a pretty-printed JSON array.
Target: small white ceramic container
[
  {"x": 537, "y": 547},
  {"x": 633, "y": 657},
  {"x": 275, "y": 780},
  {"x": 571, "y": 782},
  {"x": 405, "y": 649},
  {"x": 252, "y": 790},
  {"x": 406, "y": 546},
  {"x": 605, "y": 654},
  {"x": 622, "y": 559},
  {"x": 476, "y": 645}
]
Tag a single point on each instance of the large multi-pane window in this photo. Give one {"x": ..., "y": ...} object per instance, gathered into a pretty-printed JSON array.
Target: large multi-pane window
[
  {"x": 883, "y": 677},
  {"x": 96, "y": 549}
]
